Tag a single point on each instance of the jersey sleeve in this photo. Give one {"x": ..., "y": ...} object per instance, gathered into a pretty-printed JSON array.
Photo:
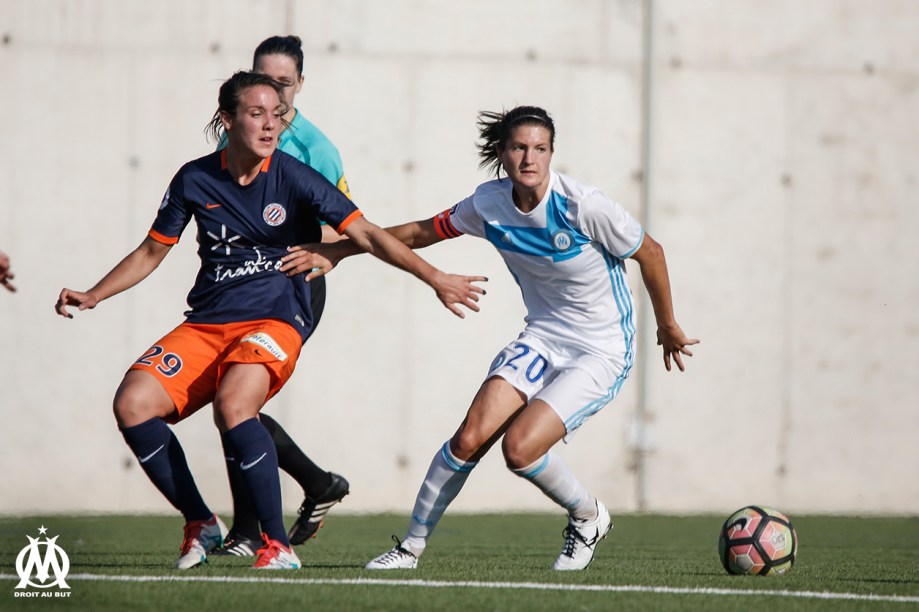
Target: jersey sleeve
[
  {"x": 461, "y": 219},
  {"x": 173, "y": 214},
  {"x": 329, "y": 204},
  {"x": 607, "y": 222}
]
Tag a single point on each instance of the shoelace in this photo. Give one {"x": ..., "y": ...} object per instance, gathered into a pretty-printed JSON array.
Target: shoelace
[
  {"x": 572, "y": 536},
  {"x": 396, "y": 552},
  {"x": 264, "y": 553}
]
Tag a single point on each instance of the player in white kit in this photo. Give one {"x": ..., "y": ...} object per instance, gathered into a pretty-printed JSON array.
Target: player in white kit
[{"x": 565, "y": 244}]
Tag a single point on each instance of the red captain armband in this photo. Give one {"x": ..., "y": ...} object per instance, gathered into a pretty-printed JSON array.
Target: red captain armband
[
  {"x": 161, "y": 238},
  {"x": 444, "y": 227}
]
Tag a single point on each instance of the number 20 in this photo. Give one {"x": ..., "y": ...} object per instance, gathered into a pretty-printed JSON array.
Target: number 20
[
  {"x": 538, "y": 361},
  {"x": 170, "y": 363}
]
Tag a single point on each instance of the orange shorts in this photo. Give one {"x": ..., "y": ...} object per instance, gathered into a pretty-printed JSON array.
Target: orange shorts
[{"x": 190, "y": 360}]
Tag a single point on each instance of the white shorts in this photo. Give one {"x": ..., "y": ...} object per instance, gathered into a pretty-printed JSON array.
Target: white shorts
[{"x": 575, "y": 384}]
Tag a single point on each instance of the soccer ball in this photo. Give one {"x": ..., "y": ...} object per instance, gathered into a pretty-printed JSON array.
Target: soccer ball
[{"x": 759, "y": 541}]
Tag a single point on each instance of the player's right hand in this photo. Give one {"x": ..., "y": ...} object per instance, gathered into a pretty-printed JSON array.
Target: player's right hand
[
  {"x": 69, "y": 297},
  {"x": 316, "y": 259},
  {"x": 6, "y": 275}
]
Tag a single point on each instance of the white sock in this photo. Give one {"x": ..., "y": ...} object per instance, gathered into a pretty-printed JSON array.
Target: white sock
[
  {"x": 441, "y": 485},
  {"x": 550, "y": 474}
]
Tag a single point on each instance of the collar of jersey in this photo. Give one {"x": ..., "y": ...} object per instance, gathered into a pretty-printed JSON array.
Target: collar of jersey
[{"x": 223, "y": 161}]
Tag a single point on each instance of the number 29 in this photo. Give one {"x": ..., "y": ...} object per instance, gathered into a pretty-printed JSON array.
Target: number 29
[{"x": 169, "y": 363}]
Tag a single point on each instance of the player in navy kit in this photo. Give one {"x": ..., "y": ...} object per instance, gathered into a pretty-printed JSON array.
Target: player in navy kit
[
  {"x": 247, "y": 319},
  {"x": 565, "y": 243},
  {"x": 281, "y": 58}
]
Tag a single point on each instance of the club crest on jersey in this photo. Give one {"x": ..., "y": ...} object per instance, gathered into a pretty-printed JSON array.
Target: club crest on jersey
[
  {"x": 561, "y": 240},
  {"x": 274, "y": 214}
]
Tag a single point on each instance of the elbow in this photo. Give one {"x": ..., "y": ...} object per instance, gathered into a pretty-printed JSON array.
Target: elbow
[
  {"x": 649, "y": 251},
  {"x": 656, "y": 250}
]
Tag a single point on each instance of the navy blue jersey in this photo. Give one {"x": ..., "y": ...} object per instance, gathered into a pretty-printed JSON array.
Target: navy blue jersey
[{"x": 243, "y": 231}]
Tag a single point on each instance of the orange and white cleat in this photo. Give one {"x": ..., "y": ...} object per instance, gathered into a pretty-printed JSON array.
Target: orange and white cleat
[
  {"x": 275, "y": 556},
  {"x": 201, "y": 537}
]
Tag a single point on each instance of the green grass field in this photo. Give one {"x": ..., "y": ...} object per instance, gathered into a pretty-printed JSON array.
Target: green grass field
[{"x": 475, "y": 562}]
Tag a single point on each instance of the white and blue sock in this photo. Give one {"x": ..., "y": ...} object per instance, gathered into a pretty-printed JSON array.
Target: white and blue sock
[
  {"x": 163, "y": 460},
  {"x": 551, "y": 476},
  {"x": 443, "y": 482}
]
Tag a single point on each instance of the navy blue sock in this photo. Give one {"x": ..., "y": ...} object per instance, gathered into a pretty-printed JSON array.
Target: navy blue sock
[
  {"x": 162, "y": 458},
  {"x": 245, "y": 520},
  {"x": 253, "y": 448}
]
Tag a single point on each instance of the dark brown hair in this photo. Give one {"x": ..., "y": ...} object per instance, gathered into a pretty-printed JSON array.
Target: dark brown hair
[
  {"x": 228, "y": 98},
  {"x": 283, "y": 45},
  {"x": 495, "y": 129}
]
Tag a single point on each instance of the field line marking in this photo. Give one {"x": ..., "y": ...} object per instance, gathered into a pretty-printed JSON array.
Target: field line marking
[{"x": 606, "y": 588}]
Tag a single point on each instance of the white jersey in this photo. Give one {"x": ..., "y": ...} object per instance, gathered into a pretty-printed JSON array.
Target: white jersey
[{"x": 567, "y": 257}]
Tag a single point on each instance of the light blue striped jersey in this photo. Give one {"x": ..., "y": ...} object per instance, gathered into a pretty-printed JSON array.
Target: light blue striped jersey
[{"x": 566, "y": 255}]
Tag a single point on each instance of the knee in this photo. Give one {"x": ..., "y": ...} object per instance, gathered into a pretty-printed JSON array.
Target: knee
[
  {"x": 517, "y": 453},
  {"x": 467, "y": 444},
  {"x": 229, "y": 412},
  {"x": 139, "y": 398},
  {"x": 132, "y": 407}
]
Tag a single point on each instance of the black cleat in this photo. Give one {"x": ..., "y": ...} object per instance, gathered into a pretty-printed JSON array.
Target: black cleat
[
  {"x": 238, "y": 546},
  {"x": 313, "y": 511}
]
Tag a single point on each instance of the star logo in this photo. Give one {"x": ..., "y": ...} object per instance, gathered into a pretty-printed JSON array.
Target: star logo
[{"x": 222, "y": 240}]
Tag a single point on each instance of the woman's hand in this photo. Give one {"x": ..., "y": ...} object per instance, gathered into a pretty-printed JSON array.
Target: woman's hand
[
  {"x": 312, "y": 258},
  {"x": 453, "y": 289},
  {"x": 674, "y": 342},
  {"x": 69, "y": 297}
]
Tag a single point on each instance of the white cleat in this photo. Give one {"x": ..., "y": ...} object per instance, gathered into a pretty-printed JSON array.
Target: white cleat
[
  {"x": 397, "y": 558},
  {"x": 201, "y": 537},
  {"x": 581, "y": 539}
]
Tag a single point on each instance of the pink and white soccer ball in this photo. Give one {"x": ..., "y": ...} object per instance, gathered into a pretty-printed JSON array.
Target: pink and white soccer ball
[{"x": 758, "y": 541}]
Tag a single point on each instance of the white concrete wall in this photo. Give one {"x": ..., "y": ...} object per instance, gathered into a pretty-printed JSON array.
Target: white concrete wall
[{"x": 782, "y": 178}]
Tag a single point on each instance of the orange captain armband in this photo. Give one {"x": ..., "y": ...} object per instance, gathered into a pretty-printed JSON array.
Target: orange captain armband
[{"x": 444, "y": 227}]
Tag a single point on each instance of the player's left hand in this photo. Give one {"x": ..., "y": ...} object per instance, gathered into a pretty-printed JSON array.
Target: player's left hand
[
  {"x": 312, "y": 258},
  {"x": 674, "y": 342}
]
